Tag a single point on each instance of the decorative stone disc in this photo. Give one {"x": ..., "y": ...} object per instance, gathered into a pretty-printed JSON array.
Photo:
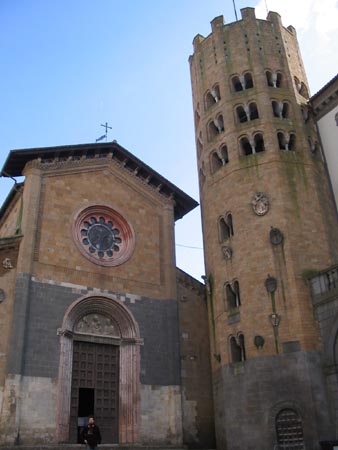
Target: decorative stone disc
[
  {"x": 260, "y": 203},
  {"x": 103, "y": 235}
]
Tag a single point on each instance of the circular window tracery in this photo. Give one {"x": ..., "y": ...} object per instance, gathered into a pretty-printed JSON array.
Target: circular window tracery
[{"x": 103, "y": 235}]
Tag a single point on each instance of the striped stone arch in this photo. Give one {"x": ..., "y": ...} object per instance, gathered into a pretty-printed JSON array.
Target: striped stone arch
[{"x": 129, "y": 365}]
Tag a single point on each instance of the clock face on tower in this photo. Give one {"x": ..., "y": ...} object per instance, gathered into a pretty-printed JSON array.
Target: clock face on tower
[{"x": 103, "y": 235}]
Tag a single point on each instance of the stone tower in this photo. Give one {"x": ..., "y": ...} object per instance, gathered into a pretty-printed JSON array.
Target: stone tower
[{"x": 268, "y": 222}]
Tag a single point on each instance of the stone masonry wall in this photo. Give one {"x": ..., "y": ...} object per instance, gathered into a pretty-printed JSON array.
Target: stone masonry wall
[
  {"x": 48, "y": 302},
  {"x": 198, "y": 415},
  {"x": 249, "y": 396}
]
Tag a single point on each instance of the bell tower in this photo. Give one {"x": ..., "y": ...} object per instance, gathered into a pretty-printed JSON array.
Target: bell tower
[{"x": 268, "y": 222}]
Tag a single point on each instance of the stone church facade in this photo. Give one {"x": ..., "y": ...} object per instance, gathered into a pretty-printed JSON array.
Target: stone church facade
[{"x": 93, "y": 308}]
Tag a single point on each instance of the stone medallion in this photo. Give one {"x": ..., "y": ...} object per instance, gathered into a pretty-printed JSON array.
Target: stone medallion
[{"x": 260, "y": 203}]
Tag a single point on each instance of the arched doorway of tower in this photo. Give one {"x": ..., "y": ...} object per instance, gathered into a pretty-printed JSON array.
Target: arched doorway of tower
[{"x": 99, "y": 370}]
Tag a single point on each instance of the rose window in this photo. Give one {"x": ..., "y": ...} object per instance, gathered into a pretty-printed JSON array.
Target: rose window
[{"x": 103, "y": 236}]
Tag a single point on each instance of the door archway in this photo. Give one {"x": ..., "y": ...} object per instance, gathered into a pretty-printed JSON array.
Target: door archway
[{"x": 101, "y": 320}]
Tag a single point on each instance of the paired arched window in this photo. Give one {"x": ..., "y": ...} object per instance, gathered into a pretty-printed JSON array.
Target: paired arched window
[
  {"x": 215, "y": 127},
  {"x": 232, "y": 295},
  {"x": 213, "y": 96},
  {"x": 237, "y": 348},
  {"x": 225, "y": 227},
  {"x": 242, "y": 82},
  {"x": 281, "y": 109},
  {"x": 252, "y": 145},
  {"x": 274, "y": 79},
  {"x": 219, "y": 158},
  {"x": 247, "y": 112},
  {"x": 286, "y": 141},
  {"x": 301, "y": 88},
  {"x": 289, "y": 429}
]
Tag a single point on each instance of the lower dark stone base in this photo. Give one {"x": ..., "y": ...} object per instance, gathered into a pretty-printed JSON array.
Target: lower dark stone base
[{"x": 248, "y": 396}]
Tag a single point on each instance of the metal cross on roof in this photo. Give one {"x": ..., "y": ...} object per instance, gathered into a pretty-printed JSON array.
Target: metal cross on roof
[{"x": 104, "y": 136}]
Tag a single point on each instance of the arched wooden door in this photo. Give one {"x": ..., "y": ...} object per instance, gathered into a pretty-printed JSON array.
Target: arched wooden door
[{"x": 95, "y": 389}]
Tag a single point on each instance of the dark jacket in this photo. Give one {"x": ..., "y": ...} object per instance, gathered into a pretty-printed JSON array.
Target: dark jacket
[{"x": 91, "y": 434}]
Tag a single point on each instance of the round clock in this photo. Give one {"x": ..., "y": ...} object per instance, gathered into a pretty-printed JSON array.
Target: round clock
[{"x": 103, "y": 235}]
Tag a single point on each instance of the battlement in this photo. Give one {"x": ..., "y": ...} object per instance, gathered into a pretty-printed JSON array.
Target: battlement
[{"x": 248, "y": 15}]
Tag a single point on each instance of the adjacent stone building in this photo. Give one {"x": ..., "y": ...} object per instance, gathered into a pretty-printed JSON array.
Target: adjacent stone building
[
  {"x": 95, "y": 316},
  {"x": 268, "y": 222},
  {"x": 325, "y": 110}
]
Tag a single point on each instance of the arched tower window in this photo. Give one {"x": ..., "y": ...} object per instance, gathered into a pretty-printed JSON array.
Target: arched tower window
[
  {"x": 259, "y": 143},
  {"x": 232, "y": 295},
  {"x": 237, "y": 84},
  {"x": 289, "y": 429},
  {"x": 219, "y": 158},
  {"x": 247, "y": 112},
  {"x": 280, "y": 109},
  {"x": 215, "y": 127},
  {"x": 241, "y": 114},
  {"x": 226, "y": 229},
  {"x": 315, "y": 149},
  {"x": 209, "y": 100},
  {"x": 213, "y": 96},
  {"x": 252, "y": 145},
  {"x": 286, "y": 141},
  {"x": 237, "y": 348},
  {"x": 248, "y": 81},
  {"x": 219, "y": 122},
  {"x": 304, "y": 91},
  {"x": 246, "y": 146},
  {"x": 242, "y": 346},
  {"x": 223, "y": 152},
  {"x": 274, "y": 79},
  {"x": 215, "y": 162},
  {"x": 301, "y": 88},
  {"x": 216, "y": 93},
  {"x": 242, "y": 82},
  {"x": 253, "y": 111}
]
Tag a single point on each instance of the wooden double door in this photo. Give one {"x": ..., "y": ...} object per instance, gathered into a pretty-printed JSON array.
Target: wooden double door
[{"x": 95, "y": 389}]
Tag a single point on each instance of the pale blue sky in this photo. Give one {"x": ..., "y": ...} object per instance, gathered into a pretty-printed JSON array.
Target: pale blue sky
[{"x": 69, "y": 65}]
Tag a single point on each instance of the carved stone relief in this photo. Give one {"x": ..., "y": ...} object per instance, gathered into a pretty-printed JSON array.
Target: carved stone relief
[
  {"x": 97, "y": 324},
  {"x": 260, "y": 203},
  {"x": 7, "y": 263},
  {"x": 227, "y": 252}
]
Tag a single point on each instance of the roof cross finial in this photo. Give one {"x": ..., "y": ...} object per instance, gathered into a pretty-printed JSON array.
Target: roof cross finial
[{"x": 104, "y": 136}]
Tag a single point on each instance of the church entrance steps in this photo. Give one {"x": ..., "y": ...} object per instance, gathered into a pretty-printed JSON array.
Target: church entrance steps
[{"x": 82, "y": 447}]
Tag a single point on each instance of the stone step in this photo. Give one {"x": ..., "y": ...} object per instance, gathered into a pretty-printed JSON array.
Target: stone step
[{"x": 82, "y": 447}]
